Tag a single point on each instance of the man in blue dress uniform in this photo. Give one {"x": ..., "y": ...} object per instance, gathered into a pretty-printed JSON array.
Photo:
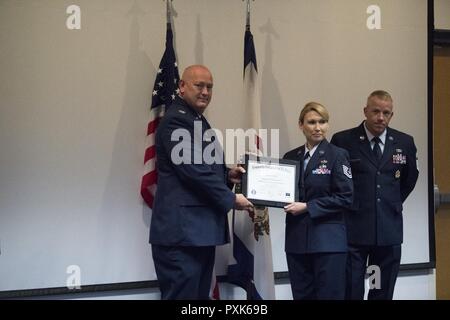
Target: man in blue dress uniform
[
  {"x": 193, "y": 198},
  {"x": 383, "y": 162}
]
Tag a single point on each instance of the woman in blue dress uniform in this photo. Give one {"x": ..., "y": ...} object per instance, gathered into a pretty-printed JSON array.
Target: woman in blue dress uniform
[{"x": 316, "y": 239}]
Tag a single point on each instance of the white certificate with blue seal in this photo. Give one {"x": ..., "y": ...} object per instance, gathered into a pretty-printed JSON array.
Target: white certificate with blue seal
[{"x": 270, "y": 182}]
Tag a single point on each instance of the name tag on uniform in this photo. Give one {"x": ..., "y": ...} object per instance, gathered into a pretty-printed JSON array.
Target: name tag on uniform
[{"x": 398, "y": 158}]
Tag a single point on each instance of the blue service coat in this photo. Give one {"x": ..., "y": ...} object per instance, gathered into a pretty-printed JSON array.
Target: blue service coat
[
  {"x": 327, "y": 188},
  {"x": 380, "y": 189},
  {"x": 192, "y": 199}
]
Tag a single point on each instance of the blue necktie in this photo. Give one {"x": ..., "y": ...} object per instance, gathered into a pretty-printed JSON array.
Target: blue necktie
[
  {"x": 302, "y": 177},
  {"x": 376, "y": 148},
  {"x": 305, "y": 162}
]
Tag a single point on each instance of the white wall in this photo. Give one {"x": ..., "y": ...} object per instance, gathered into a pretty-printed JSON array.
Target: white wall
[
  {"x": 442, "y": 14},
  {"x": 410, "y": 286}
]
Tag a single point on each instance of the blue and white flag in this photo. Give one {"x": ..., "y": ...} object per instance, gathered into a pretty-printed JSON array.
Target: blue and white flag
[{"x": 252, "y": 268}]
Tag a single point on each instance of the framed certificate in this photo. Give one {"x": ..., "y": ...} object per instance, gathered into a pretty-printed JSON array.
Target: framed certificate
[{"x": 270, "y": 182}]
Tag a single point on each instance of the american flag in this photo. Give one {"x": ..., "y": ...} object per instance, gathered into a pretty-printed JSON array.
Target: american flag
[{"x": 164, "y": 92}]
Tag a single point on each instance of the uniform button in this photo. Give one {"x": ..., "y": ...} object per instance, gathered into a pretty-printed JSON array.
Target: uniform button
[
  {"x": 378, "y": 172},
  {"x": 378, "y": 186},
  {"x": 378, "y": 200}
]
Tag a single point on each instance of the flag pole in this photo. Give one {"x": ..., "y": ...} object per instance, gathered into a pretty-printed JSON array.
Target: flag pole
[
  {"x": 169, "y": 13},
  {"x": 247, "y": 25}
]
